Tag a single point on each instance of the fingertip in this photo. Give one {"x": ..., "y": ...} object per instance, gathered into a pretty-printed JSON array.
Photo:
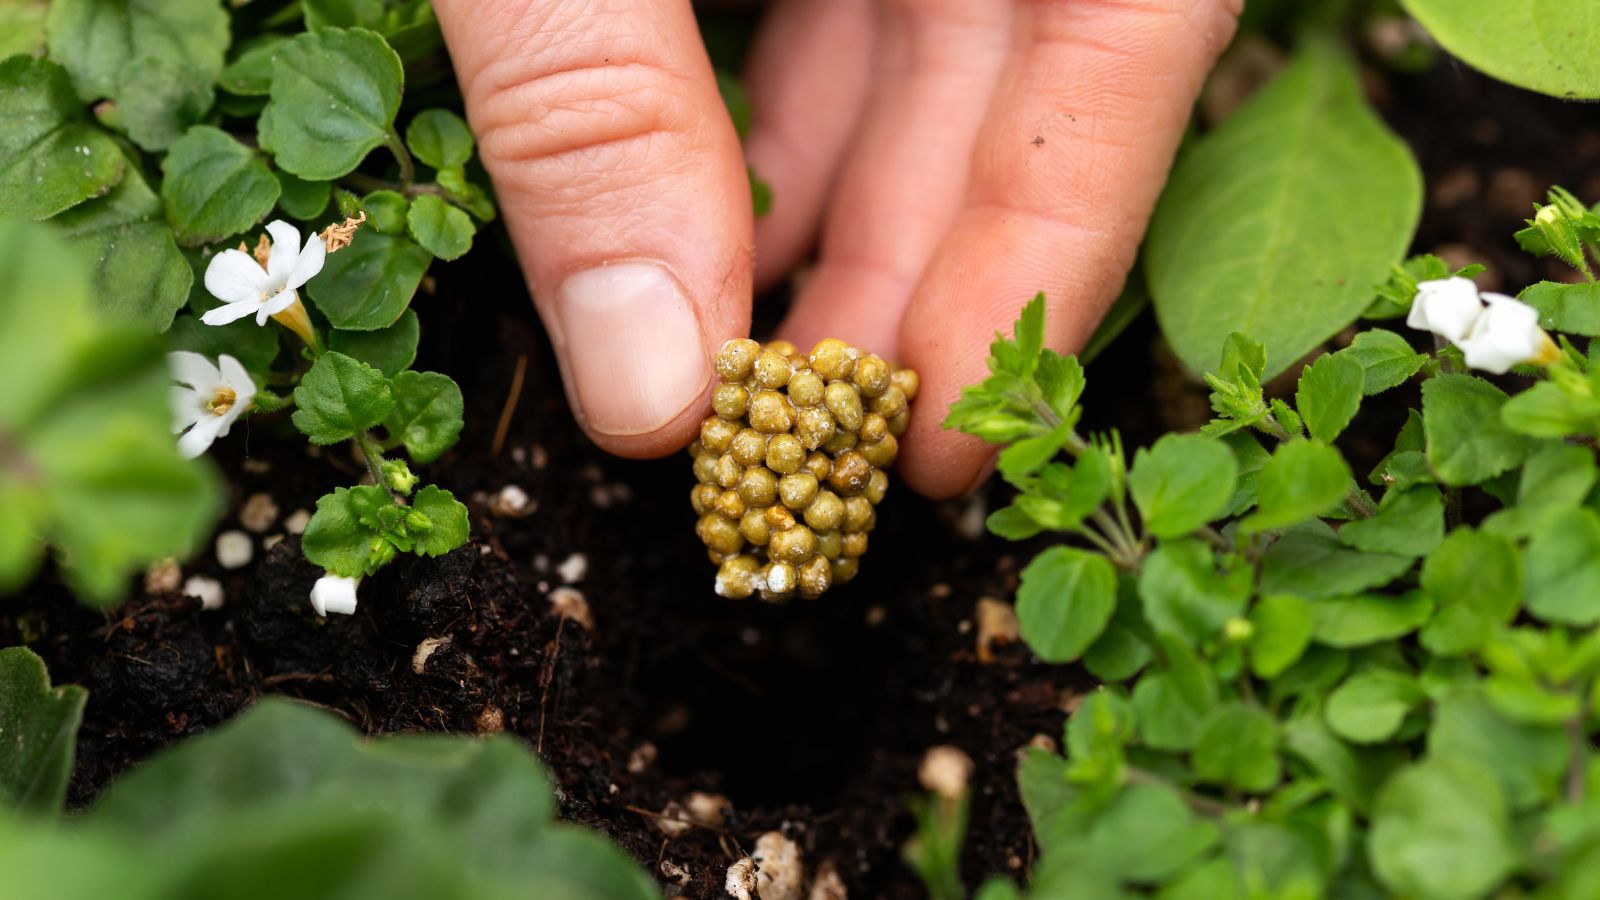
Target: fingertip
[{"x": 941, "y": 464}]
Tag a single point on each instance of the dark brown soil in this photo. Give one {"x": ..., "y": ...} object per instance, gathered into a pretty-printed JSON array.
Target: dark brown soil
[{"x": 811, "y": 718}]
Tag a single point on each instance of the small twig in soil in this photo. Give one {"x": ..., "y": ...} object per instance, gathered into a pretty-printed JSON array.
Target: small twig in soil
[
  {"x": 546, "y": 676},
  {"x": 282, "y": 677},
  {"x": 508, "y": 411}
]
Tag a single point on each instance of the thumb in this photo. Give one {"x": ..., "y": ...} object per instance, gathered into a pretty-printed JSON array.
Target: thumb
[{"x": 624, "y": 191}]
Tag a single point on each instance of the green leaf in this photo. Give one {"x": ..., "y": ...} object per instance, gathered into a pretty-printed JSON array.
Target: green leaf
[
  {"x": 368, "y": 285},
  {"x": 1168, "y": 720},
  {"x": 1466, "y": 441},
  {"x": 1570, "y": 308},
  {"x": 51, "y": 156},
  {"x": 292, "y": 800},
  {"x": 1181, "y": 483},
  {"x": 1408, "y": 523},
  {"x": 449, "y": 516},
  {"x": 1386, "y": 360},
  {"x": 1064, "y": 602},
  {"x": 439, "y": 138},
  {"x": 1282, "y": 629},
  {"x": 158, "y": 59},
  {"x": 215, "y": 186},
  {"x": 1241, "y": 238},
  {"x": 441, "y": 229},
  {"x": 250, "y": 73},
  {"x": 335, "y": 538},
  {"x": 113, "y": 501},
  {"x": 1475, "y": 580},
  {"x": 1563, "y": 569},
  {"x": 1048, "y": 796},
  {"x": 335, "y": 93},
  {"x": 427, "y": 414},
  {"x": 1309, "y": 560},
  {"x": 1186, "y": 595},
  {"x": 390, "y": 351},
  {"x": 1439, "y": 829},
  {"x": 1528, "y": 761},
  {"x": 1535, "y": 44},
  {"x": 1552, "y": 410},
  {"x": 139, "y": 273},
  {"x": 1369, "y": 707},
  {"x": 1238, "y": 747},
  {"x": 1556, "y": 477},
  {"x": 1012, "y": 523},
  {"x": 39, "y": 724},
  {"x": 1329, "y": 395},
  {"x": 301, "y": 199},
  {"x": 1302, "y": 480},
  {"x": 387, "y": 210},
  {"x": 1142, "y": 816},
  {"x": 22, "y": 27},
  {"x": 340, "y": 398},
  {"x": 1368, "y": 618},
  {"x": 409, "y": 26},
  {"x": 1019, "y": 462},
  {"x": 1354, "y": 774}
]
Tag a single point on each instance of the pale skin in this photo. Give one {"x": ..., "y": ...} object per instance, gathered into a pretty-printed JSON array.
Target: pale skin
[{"x": 946, "y": 159}]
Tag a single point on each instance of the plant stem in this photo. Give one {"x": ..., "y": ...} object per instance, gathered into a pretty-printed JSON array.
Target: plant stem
[
  {"x": 1361, "y": 505},
  {"x": 1577, "y": 760},
  {"x": 367, "y": 183},
  {"x": 1215, "y": 539},
  {"x": 408, "y": 169},
  {"x": 373, "y": 455}
]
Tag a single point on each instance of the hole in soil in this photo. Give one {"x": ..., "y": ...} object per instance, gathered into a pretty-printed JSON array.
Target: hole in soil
[{"x": 786, "y": 704}]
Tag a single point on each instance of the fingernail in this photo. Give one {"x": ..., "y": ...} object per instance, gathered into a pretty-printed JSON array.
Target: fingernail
[{"x": 633, "y": 346}]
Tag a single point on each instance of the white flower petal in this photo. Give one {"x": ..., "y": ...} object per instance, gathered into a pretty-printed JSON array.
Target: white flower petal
[
  {"x": 233, "y": 276},
  {"x": 334, "y": 594},
  {"x": 235, "y": 375},
  {"x": 279, "y": 302},
  {"x": 285, "y": 250},
  {"x": 1447, "y": 307},
  {"x": 309, "y": 262},
  {"x": 186, "y": 406},
  {"x": 232, "y": 312},
  {"x": 198, "y": 439},
  {"x": 1506, "y": 335},
  {"x": 194, "y": 370}
]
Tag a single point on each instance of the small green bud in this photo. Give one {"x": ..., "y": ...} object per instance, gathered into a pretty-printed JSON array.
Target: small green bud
[
  {"x": 399, "y": 476},
  {"x": 382, "y": 552},
  {"x": 418, "y": 521},
  {"x": 1238, "y": 630}
]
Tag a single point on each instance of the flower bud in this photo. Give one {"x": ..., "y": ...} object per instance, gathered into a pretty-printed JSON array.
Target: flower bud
[{"x": 398, "y": 476}]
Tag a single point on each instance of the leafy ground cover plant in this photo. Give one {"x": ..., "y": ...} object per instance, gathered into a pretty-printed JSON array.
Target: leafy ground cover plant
[
  {"x": 154, "y": 145},
  {"x": 1318, "y": 681},
  {"x": 289, "y": 801}
]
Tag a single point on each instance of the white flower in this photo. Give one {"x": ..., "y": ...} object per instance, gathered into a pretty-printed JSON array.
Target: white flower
[
  {"x": 235, "y": 277},
  {"x": 207, "y": 399},
  {"x": 334, "y": 594},
  {"x": 1447, "y": 307},
  {"x": 1504, "y": 335}
]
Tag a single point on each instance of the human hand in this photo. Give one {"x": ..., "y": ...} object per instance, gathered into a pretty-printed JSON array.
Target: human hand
[{"x": 958, "y": 156}]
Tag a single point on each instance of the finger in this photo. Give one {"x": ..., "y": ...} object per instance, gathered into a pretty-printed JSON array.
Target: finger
[
  {"x": 624, "y": 192},
  {"x": 807, "y": 78},
  {"x": 905, "y": 178},
  {"x": 1065, "y": 173}
]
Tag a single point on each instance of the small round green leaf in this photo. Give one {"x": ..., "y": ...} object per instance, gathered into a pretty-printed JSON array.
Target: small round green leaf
[
  {"x": 450, "y": 526},
  {"x": 1440, "y": 830},
  {"x": 215, "y": 186},
  {"x": 427, "y": 414},
  {"x": 368, "y": 285},
  {"x": 390, "y": 351},
  {"x": 334, "y": 95},
  {"x": 1064, "y": 602},
  {"x": 1238, "y": 747},
  {"x": 54, "y": 158},
  {"x": 1370, "y": 706},
  {"x": 340, "y": 398},
  {"x": 1182, "y": 482},
  {"x": 441, "y": 229},
  {"x": 439, "y": 138},
  {"x": 1302, "y": 480}
]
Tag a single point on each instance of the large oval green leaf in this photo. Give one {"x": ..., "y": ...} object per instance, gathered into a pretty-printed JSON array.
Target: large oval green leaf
[
  {"x": 1543, "y": 45},
  {"x": 1279, "y": 222}
]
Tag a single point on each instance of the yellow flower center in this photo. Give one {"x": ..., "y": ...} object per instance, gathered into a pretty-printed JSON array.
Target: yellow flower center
[{"x": 222, "y": 401}]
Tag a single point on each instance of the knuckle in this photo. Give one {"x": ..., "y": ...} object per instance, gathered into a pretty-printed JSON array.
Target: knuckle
[{"x": 534, "y": 120}]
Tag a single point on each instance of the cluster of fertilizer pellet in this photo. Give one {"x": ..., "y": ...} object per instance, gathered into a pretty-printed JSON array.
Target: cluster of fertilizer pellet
[{"x": 793, "y": 462}]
